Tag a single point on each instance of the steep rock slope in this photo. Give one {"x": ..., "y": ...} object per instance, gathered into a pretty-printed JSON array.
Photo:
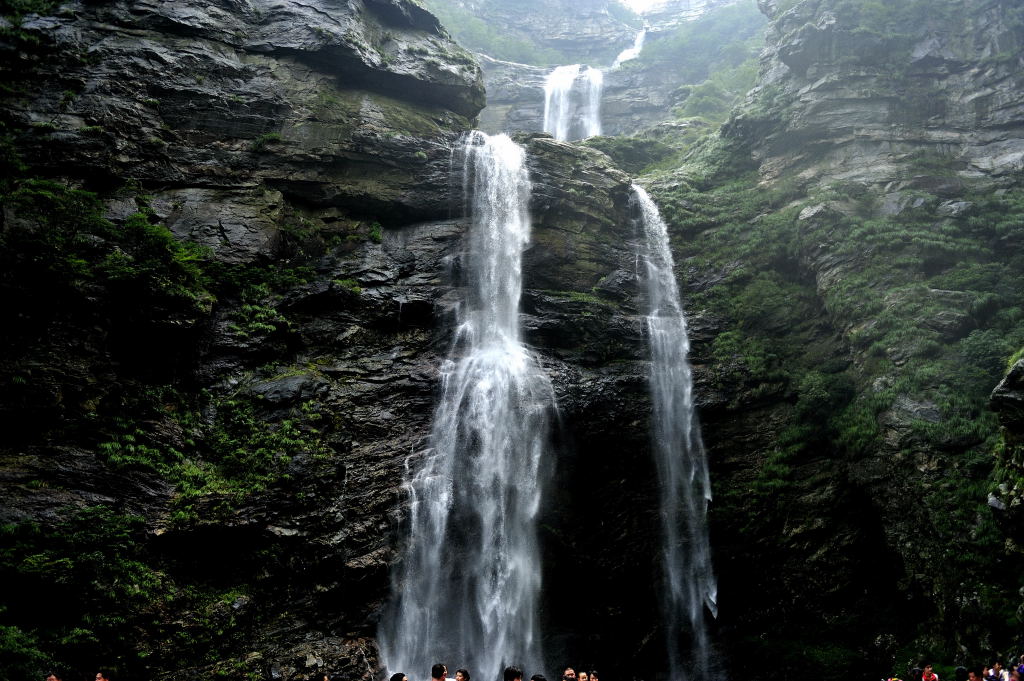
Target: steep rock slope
[
  {"x": 206, "y": 436},
  {"x": 856, "y": 227},
  {"x": 861, "y": 92},
  {"x": 240, "y": 98}
]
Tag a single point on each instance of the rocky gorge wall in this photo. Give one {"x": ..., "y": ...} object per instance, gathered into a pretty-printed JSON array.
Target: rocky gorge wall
[
  {"x": 205, "y": 445},
  {"x": 862, "y": 92},
  {"x": 838, "y": 226},
  {"x": 230, "y": 249}
]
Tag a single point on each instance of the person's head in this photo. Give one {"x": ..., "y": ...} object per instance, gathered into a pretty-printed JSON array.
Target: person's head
[
  {"x": 103, "y": 675},
  {"x": 512, "y": 673},
  {"x": 322, "y": 676},
  {"x": 569, "y": 674},
  {"x": 583, "y": 676},
  {"x": 996, "y": 666},
  {"x": 438, "y": 671},
  {"x": 399, "y": 676},
  {"x": 593, "y": 675},
  {"x": 927, "y": 669},
  {"x": 538, "y": 677},
  {"x": 462, "y": 675},
  {"x": 53, "y": 676},
  {"x": 973, "y": 675}
]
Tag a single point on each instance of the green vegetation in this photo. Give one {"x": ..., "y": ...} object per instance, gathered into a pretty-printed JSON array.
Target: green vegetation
[
  {"x": 232, "y": 453},
  {"x": 85, "y": 594},
  {"x": 245, "y": 453},
  {"x": 927, "y": 306},
  {"x": 589, "y": 299},
  {"x": 65, "y": 247},
  {"x": 632, "y": 154},
  {"x": 256, "y": 316},
  {"x": 15, "y": 11},
  {"x": 376, "y": 233},
  {"x": 60, "y": 255},
  {"x": 717, "y": 54},
  {"x": 721, "y": 39},
  {"x": 716, "y": 97},
  {"x": 267, "y": 138},
  {"x": 349, "y": 285}
]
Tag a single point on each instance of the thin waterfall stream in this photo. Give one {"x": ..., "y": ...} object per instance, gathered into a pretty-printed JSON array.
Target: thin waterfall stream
[
  {"x": 631, "y": 52},
  {"x": 679, "y": 453},
  {"x": 468, "y": 585}
]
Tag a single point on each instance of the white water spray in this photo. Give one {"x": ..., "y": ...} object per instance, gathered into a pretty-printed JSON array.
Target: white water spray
[
  {"x": 631, "y": 52},
  {"x": 679, "y": 452},
  {"x": 558, "y": 100},
  {"x": 467, "y": 588},
  {"x": 572, "y": 102},
  {"x": 593, "y": 88}
]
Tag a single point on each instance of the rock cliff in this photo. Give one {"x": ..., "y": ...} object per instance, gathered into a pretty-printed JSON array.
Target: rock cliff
[
  {"x": 230, "y": 253},
  {"x": 231, "y": 241},
  {"x": 838, "y": 226},
  {"x": 225, "y": 423},
  {"x": 859, "y": 93}
]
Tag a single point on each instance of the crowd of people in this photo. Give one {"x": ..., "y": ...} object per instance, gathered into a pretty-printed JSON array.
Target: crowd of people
[
  {"x": 994, "y": 671},
  {"x": 439, "y": 672},
  {"x": 101, "y": 675}
]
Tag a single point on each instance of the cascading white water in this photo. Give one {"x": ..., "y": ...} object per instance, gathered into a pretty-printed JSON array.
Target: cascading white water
[
  {"x": 679, "y": 452},
  {"x": 631, "y": 52},
  {"x": 466, "y": 590},
  {"x": 558, "y": 104},
  {"x": 593, "y": 88},
  {"x": 572, "y": 102}
]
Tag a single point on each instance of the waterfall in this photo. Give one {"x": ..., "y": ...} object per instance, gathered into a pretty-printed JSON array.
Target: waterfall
[
  {"x": 466, "y": 589},
  {"x": 631, "y": 52},
  {"x": 679, "y": 452},
  {"x": 558, "y": 100},
  {"x": 593, "y": 87},
  {"x": 572, "y": 102}
]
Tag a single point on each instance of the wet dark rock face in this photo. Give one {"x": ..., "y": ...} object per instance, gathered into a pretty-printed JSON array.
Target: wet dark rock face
[
  {"x": 252, "y": 129},
  {"x": 228, "y": 107}
]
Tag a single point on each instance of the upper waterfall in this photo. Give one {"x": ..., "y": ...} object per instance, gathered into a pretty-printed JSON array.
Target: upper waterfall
[
  {"x": 572, "y": 102},
  {"x": 468, "y": 584},
  {"x": 631, "y": 52}
]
